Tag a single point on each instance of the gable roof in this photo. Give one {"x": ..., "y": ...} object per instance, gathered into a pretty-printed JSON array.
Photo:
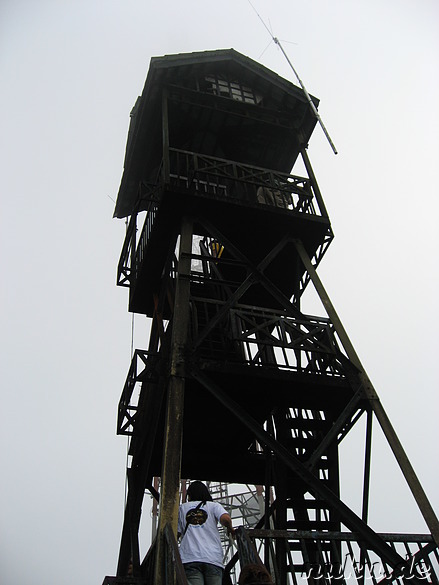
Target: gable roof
[{"x": 143, "y": 149}]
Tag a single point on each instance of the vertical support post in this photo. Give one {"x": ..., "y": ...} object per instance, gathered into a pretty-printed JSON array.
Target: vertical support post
[
  {"x": 267, "y": 489},
  {"x": 366, "y": 488},
  {"x": 133, "y": 275},
  {"x": 367, "y": 460},
  {"x": 388, "y": 430},
  {"x": 155, "y": 509},
  {"x": 314, "y": 184},
  {"x": 280, "y": 481},
  {"x": 165, "y": 136},
  {"x": 169, "y": 496}
]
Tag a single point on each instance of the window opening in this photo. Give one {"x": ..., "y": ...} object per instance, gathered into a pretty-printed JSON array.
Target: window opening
[{"x": 231, "y": 89}]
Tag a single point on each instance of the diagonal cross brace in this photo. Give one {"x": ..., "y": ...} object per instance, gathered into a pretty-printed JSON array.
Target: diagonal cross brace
[
  {"x": 336, "y": 428},
  {"x": 381, "y": 415},
  {"x": 349, "y": 518},
  {"x": 256, "y": 274}
]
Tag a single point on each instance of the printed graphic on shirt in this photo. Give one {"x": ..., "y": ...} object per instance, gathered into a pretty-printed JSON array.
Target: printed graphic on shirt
[{"x": 196, "y": 517}]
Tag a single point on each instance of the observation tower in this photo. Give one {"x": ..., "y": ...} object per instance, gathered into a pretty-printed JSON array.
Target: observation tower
[{"x": 237, "y": 385}]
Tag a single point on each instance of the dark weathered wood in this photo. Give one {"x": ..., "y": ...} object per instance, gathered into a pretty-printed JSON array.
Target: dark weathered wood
[
  {"x": 165, "y": 135},
  {"x": 367, "y": 462},
  {"x": 175, "y": 555},
  {"x": 229, "y": 340},
  {"x": 335, "y": 429},
  {"x": 313, "y": 179},
  {"x": 169, "y": 496},
  {"x": 324, "y": 535},
  {"x": 389, "y": 432},
  {"x": 349, "y": 518}
]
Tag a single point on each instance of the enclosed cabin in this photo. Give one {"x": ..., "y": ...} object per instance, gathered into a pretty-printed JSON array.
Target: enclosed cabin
[{"x": 215, "y": 135}]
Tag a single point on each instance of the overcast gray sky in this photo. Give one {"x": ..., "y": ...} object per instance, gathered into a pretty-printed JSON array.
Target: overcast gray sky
[{"x": 71, "y": 71}]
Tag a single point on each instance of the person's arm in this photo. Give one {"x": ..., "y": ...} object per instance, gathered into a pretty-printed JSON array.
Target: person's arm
[{"x": 226, "y": 521}]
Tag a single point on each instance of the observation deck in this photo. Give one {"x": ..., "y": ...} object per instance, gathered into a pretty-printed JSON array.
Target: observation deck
[
  {"x": 231, "y": 194},
  {"x": 238, "y": 384},
  {"x": 215, "y": 136}
]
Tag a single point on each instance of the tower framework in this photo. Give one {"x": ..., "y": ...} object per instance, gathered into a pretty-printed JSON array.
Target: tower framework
[{"x": 238, "y": 385}]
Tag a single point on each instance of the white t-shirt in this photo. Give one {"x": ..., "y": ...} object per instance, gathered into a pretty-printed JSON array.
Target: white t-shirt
[{"x": 201, "y": 542}]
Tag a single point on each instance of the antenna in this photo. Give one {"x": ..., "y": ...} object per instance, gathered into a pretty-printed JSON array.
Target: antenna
[{"x": 308, "y": 97}]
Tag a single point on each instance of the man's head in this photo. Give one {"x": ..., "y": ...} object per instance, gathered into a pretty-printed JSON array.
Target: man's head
[{"x": 198, "y": 492}]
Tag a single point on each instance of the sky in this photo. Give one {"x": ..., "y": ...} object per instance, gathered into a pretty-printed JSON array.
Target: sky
[{"x": 71, "y": 71}]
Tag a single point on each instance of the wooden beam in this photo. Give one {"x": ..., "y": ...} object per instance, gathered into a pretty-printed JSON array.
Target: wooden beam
[
  {"x": 347, "y": 516},
  {"x": 388, "y": 430},
  {"x": 171, "y": 466}
]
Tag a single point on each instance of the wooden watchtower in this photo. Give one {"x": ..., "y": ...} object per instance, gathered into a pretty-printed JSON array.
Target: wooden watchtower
[{"x": 237, "y": 384}]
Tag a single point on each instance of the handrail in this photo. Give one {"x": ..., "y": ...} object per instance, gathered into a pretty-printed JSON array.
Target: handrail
[
  {"x": 226, "y": 179},
  {"x": 127, "y": 411},
  {"x": 124, "y": 265},
  {"x": 132, "y": 252},
  {"x": 252, "y": 171},
  {"x": 351, "y": 536},
  {"x": 247, "y": 552},
  {"x": 174, "y": 556},
  {"x": 222, "y": 179},
  {"x": 307, "y": 345},
  {"x": 334, "y": 556},
  {"x": 145, "y": 234}
]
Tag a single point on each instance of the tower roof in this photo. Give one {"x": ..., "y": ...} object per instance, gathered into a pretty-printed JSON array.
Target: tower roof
[{"x": 236, "y": 89}]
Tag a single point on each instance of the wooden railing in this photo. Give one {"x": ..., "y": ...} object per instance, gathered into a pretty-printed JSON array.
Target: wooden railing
[
  {"x": 127, "y": 410},
  {"x": 266, "y": 337},
  {"x": 222, "y": 179},
  {"x": 230, "y": 180},
  {"x": 134, "y": 245},
  {"x": 343, "y": 557},
  {"x": 338, "y": 557},
  {"x": 175, "y": 574}
]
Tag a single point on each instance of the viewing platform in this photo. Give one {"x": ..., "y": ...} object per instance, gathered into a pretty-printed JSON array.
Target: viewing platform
[{"x": 230, "y": 194}]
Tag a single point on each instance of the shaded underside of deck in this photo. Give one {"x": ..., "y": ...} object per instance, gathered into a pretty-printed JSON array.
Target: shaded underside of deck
[
  {"x": 218, "y": 445},
  {"x": 254, "y": 230}
]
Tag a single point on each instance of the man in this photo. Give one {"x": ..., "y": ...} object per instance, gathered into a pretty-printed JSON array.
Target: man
[{"x": 200, "y": 546}]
